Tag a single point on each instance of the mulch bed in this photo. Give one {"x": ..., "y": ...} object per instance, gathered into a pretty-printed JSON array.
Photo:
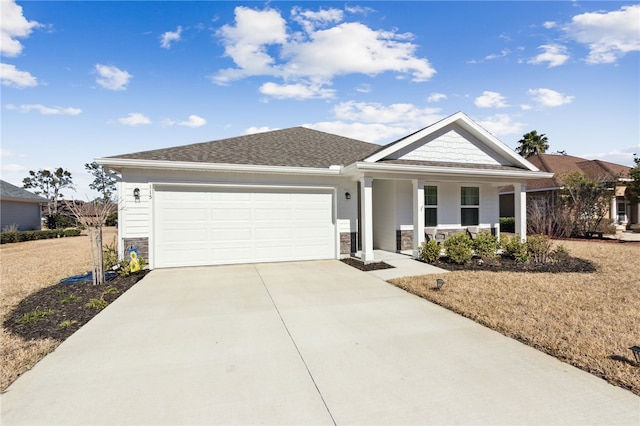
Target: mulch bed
[
  {"x": 505, "y": 264},
  {"x": 359, "y": 264},
  {"x": 66, "y": 304}
]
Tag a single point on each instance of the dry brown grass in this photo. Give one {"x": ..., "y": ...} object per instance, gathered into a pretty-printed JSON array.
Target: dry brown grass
[
  {"x": 587, "y": 320},
  {"x": 26, "y": 268}
]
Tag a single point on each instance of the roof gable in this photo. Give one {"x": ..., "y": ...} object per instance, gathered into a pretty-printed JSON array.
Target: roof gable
[
  {"x": 293, "y": 147},
  {"x": 456, "y": 140},
  {"x": 14, "y": 193}
]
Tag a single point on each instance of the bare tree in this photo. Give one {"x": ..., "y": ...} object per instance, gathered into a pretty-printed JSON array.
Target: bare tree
[
  {"x": 586, "y": 200},
  {"x": 93, "y": 215}
]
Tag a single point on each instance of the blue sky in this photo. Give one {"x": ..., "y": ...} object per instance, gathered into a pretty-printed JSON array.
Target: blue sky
[{"x": 82, "y": 80}]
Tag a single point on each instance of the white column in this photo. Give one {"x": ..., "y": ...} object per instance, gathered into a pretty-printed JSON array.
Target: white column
[
  {"x": 520, "y": 204},
  {"x": 418, "y": 215},
  {"x": 638, "y": 213},
  {"x": 366, "y": 209},
  {"x": 613, "y": 213}
]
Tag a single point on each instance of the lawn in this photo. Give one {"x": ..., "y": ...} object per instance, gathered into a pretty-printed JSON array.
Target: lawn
[
  {"x": 26, "y": 268},
  {"x": 588, "y": 320}
]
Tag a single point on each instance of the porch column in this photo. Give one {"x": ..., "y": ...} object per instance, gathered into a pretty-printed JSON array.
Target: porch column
[
  {"x": 418, "y": 215},
  {"x": 520, "y": 204},
  {"x": 366, "y": 209},
  {"x": 613, "y": 210},
  {"x": 638, "y": 214}
]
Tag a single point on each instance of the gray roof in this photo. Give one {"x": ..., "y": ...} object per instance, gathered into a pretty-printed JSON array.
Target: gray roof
[
  {"x": 293, "y": 147},
  {"x": 12, "y": 192}
]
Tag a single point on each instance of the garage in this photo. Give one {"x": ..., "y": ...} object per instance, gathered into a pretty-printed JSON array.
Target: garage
[{"x": 196, "y": 226}]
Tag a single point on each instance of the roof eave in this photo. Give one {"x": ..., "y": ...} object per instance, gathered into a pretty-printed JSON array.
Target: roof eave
[
  {"x": 126, "y": 163},
  {"x": 448, "y": 171}
]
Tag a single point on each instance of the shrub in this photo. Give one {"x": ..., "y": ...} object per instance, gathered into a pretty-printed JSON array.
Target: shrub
[
  {"x": 429, "y": 251},
  {"x": 35, "y": 315},
  {"x": 98, "y": 304},
  {"x": 485, "y": 244},
  {"x": 125, "y": 268},
  {"x": 112, "y": 219},
  {"x": 514, "y": 248},
  {"x": 60, "y": 221},
  {"x": 110, "y": 256},
  {"x": 540, "y": 248},
  {"x": 459, "y": 248},
  {"x": 508, "y": 224},
  {"x": 20, "y": 236}
]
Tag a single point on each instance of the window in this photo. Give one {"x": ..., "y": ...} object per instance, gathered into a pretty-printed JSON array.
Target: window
[
  {"x": 430, "y": 206},
  {"x": 470, "y": 202}
]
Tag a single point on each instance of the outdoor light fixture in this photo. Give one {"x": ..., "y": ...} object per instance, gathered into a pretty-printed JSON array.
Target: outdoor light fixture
[
  {"x": 347, "y": 195},
  {"x": 439, "y": 283},
  {"x": 636, "y": 353},
  {"x": 136, "y": 194}
]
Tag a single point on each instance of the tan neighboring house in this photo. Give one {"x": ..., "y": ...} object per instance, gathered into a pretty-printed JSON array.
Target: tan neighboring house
[{"x": 622, "y": 211}]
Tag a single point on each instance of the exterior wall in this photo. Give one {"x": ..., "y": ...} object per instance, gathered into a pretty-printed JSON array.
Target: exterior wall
[
  {"x": 26, "y": 216},
  {"x": 384, "y": 213},
  {"x": 136, "y": 216},
  {"x": 453, "y": 145},
  {"x": 142, "y": 244}
]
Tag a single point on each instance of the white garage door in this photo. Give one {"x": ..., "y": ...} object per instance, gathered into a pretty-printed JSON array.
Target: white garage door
[{"x": 195, "y": 226}]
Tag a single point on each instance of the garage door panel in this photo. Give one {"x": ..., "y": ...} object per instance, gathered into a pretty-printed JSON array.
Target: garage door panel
[{"x": 207, "y": 227}]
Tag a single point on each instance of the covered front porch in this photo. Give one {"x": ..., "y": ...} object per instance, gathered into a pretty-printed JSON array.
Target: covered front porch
[{"x": 396, "y": 215}]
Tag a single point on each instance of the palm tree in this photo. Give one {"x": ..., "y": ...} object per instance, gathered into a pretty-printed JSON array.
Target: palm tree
[{"x": 532, "y": 144}]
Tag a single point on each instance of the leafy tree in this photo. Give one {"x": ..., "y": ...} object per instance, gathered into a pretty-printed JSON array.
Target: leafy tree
[
  {"x": 103, "y": 181},
  {"x": 633, "y": 188},
  {"x": 49, "y": 184},
  {"x": 587, "y": 200},
  {"x": 532, "y": 144}
]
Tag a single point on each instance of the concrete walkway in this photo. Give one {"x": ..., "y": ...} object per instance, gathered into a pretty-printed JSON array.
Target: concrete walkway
[{"x": 299, "y": 343}]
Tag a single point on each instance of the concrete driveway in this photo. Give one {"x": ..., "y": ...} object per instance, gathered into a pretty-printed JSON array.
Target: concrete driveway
[{"x": 299, "y": 343}]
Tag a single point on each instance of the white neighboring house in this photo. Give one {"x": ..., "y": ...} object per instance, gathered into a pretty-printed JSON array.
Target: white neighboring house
[
  {"x": 301, "y": 194},
  {"x": 20, "y": 208}
]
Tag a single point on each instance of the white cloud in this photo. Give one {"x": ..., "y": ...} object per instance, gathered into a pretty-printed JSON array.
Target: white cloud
[
  {"x": 502, "y": 54},
  {"x": 13, "y": 168},
  {"x": 169, "y": 37},
  {"x": 550, "y": 24},
  {"x": 501, "y": 124},
  {"x": 404, "y": 115},
  {"x": 134, "y": 119},
  {"x": 553, "y": 54},
  {"x": 622, "y": 156},
  {"x": 13, "y": 77},
  {"x": 363, "y": 88},
  {"x": 260, "y": 45},
  {"x": 368, "y": 132},
  {"x": 13, "y": 25},
  {"x": 608, "y": 35},
  {"x": 252, "y": 130},
  {"x": 192, "y": 121},
  {"x": 296, "y": 91},
  {"x": 549, "y": 98},
  {"x": 112, "y": 78},
  {"x": 44, "y": 110},
  {"x": 436, "y": 97},
  {"x": 490, "y": 99}
]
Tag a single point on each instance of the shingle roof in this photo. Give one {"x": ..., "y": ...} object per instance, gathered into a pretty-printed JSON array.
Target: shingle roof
[
  {"x": 452, "y": 165},
  {"x": 563, "y": 164},
  {"x": 12, "y": 192},
  {"x": 293, "y": 147}
]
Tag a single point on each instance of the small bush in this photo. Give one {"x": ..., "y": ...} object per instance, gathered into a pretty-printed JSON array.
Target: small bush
[
  {"x": 98, "y": 304},
  {"x": 459, "y": 248},
  {"x": 72, "y": 232},
  {"x": 67, "y": 323},
  {"x": 110, "y": 256},
  {"x": 112, "y": 219},
  {"x": 69, "y": 299},
  {"x": 514, "y": 248},
  {"x": 429, "y": 251},
  {"x": 540, "y": 248},
  {"x": 60, "y": 221},
  {"x": 508, "y": 224},
  {"x": 35, "y": 316},
  {"x": 485, "y": 244},
  {"x": 110, "y": 290},
  {"x": 125, "y": 268}
]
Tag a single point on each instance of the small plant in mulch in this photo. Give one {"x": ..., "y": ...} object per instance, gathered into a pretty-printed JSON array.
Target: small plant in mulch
[{"x": 58, "y": 311}]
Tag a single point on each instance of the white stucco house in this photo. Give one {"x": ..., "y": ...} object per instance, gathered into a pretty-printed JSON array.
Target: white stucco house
[{"x": 301, "y": 194}]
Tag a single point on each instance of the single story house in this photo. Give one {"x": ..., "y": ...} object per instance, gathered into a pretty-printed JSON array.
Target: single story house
[
  {"x": 621, "y": 212},
  {"x": 19, "y": 208},
  {"x": 301, "y": 194}
]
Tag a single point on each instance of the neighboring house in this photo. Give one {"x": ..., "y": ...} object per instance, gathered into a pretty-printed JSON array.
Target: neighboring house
[
  {"x": 301, "y": 194},
  {"x": 621, "y": 211},
  {"x": 19, "y": 208}
]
